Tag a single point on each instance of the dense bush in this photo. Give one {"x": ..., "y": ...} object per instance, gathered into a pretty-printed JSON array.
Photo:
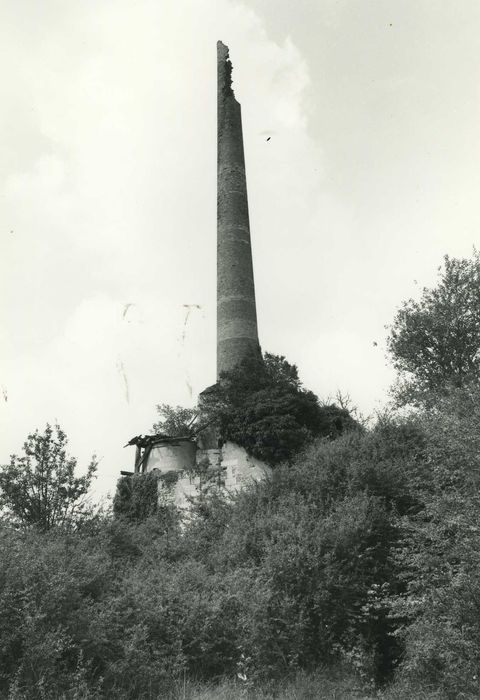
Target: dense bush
[
  {"x": 51, "y": 586},
  {"x": 262, "y": 405},
  {"x": 361, "y": 551},
  {"x": 439, "y": 555},
  {"x": 291, "y": 574},
  {"x": 136, "y": 496}
]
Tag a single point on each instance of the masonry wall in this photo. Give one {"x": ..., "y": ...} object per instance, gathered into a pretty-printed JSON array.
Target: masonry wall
[
  {"x": 240, "y": 468},
  {"x": 229, "y": 467},
  {"x": 172, "y": 457}
]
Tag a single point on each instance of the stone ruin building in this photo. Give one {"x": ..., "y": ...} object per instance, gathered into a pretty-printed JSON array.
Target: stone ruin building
[{"x": 188, "y": 462}]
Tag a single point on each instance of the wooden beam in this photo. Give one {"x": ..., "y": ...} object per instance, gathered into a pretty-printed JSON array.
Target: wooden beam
[{"x": 138, "y": 458}]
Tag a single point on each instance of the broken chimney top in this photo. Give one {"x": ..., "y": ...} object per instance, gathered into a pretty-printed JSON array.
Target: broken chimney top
[{"x": 224, "y": 65}]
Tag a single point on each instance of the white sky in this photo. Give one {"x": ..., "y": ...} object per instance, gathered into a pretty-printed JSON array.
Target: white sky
[{"x": 107, "y": 195}]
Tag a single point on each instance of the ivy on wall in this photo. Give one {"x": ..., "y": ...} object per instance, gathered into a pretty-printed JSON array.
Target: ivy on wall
[
  {"x": 262, "y": 406},
  {"x": 136, "y": 497}
]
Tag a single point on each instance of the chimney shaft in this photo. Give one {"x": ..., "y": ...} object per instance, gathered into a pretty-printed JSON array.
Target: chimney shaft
[{"x": 237, "y": 333}]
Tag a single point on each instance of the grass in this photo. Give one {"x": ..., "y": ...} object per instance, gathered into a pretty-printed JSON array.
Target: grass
[{"x": 321, "y": 685}]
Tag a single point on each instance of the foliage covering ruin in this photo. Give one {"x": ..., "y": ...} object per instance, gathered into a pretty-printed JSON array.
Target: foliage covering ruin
[{"x": 359, "y": 556}]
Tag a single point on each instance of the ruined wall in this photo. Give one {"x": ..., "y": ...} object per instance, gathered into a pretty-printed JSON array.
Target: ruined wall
[
  {"x": 185, "y": 489},
  {"x": 237, "y": 332},
  {"x": 228, "y": 467},
  {"x": 172, "y": 456},
  {"x": 240, "y": 468}
]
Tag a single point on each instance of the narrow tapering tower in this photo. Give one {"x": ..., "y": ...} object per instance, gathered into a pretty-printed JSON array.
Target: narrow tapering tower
[{"x": 237, "y": 333}]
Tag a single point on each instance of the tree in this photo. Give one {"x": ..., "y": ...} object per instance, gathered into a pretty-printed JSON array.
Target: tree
[
  {"x": 40, "y": 488},
  {"x": 435, "y": 342},
  {"x": 175, "y": 421}
]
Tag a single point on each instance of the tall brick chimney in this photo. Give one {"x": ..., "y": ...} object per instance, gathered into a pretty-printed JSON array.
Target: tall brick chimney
[{"x": 237, "y": 333}]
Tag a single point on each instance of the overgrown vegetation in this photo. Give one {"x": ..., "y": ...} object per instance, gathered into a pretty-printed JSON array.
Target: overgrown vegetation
[
  {"x": 174, "y": 420},
  {"x": 435, "y": 342},
  {"x": 136, "y": 497},
  {"x": 40, "y": 487},
  {"x": 353, "y": 572},
  {"x": 262, "y": 405}
]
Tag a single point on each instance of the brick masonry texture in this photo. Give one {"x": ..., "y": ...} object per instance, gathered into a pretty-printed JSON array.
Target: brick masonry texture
[{"x": 237, "y": 332}]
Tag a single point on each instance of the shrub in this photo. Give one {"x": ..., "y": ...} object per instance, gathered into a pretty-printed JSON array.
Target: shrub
[
  {"x": 262, "y": 406},
  {"x": 361, "y": 550},
  {"x": 136, "y": 496},
  {"x": 439, "y": 557}
]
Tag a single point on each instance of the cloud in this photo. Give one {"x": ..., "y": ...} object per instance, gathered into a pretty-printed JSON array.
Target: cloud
[
  {"x": 113, "y": 203},
  {"x": 108, "y": 185}
]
